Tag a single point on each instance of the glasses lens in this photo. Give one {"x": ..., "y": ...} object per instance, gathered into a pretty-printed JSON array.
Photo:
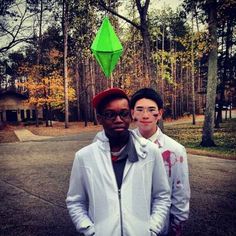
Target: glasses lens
[
  {"x": 124, "y": 113},
  {"x": 109, "y": 115},
  {"x": 152, "y": 110}
]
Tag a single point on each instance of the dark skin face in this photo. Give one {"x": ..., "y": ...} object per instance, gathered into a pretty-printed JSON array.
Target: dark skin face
[{"x": 116, "y": 128}]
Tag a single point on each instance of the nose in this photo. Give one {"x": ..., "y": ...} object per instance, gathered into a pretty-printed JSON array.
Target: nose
[
  {"x": 118, "y": 119},
  {"x": 145, "y": 114}
]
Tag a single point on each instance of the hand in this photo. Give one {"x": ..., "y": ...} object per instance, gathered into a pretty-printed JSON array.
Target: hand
[
  {"x": 176, "y": 231},
  {"x": 153, "y": 233}
]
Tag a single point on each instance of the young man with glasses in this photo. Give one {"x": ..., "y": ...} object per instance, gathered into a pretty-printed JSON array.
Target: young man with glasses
[
  {"x": 118, "y": 184},
  {"x": 147, "y": 109}
]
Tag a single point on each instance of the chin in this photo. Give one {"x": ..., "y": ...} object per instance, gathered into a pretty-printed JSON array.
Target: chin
[
  {"x": 145, "y": 129},
  {"x": 120, "y": 133}
]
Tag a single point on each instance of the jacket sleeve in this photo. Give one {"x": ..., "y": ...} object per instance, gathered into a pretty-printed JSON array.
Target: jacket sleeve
[
  {"x": 160, "y": 195},
  {"x": 179, "y": 210},
  {"x": 77, "y": 200}
]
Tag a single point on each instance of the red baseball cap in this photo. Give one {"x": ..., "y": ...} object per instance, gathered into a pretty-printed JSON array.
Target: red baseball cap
[{"x": 108, "y": 92}]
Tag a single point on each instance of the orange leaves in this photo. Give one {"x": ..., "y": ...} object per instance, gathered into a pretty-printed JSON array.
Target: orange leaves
[{"x": 45, "y": 86}]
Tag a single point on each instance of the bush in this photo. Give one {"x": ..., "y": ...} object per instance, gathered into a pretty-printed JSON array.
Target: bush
[{"x": 31, "y": 121}]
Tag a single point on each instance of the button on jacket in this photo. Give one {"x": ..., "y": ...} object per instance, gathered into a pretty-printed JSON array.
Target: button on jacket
[
  {"x": 175, "y": 160},
  {"x": 95, "y": 203}
]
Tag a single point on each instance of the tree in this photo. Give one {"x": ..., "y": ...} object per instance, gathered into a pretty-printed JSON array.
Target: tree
[
  {"x": 208, "y": 127},
  {"x": 49, "y": 89},
  {"x": 226, "y": 22},
  {"x": 65, "y": 69},
  {"x": 14, "y": 27},
  {"x": 142, "y": 7}
]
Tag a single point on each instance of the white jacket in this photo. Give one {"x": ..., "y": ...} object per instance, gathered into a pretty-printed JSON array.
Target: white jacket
[
  {"x": 94, "y": 202},
  {"x": 176, "y": 164}
]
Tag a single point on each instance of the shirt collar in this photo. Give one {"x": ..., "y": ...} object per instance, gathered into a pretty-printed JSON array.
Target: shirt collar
[
  {"x": 157, "y": 137},
  {"x": 129, "y": 151}
]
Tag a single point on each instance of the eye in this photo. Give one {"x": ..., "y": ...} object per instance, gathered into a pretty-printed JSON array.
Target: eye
[
  {"x": 139, "y": 109},
  {"x": 124, "y": 113},
  {"x": 109, "y": 114},
  {"x": 152, "y": 109}
]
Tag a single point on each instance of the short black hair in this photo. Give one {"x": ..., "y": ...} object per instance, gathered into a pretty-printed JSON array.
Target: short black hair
[
  {"x": 148, "y": 93},
  {"x": 108, "y": 99}
]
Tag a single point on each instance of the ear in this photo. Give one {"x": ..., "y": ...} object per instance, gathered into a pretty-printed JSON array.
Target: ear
[
  {"x": 160, "y": 113},
  {"x": 132, "y": 113},
  {"x": 99, "y": 119}
]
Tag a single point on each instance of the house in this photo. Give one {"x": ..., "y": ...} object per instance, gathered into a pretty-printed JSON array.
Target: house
[{"x": 14, "y": 107}]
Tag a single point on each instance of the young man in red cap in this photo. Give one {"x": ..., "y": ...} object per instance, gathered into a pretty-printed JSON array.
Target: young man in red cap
[
  {"x": 118, "y": 184},
  {"x": 147, "y": 108}
]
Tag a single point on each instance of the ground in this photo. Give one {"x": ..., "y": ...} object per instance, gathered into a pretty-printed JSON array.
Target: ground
[
  {"x": 7, "y": 133},
  {"x": 34, "y": 177}
]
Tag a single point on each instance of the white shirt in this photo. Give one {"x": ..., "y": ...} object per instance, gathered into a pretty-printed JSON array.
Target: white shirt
[{"x": 176, "y": 165}]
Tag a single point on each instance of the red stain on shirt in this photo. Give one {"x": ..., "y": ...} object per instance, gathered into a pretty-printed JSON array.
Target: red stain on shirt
[
  {"x": 114, "y": 158},
  {"x": 166, "y": 158}
]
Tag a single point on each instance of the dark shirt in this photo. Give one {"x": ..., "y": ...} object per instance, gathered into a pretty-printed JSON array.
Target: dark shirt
[{"x": 128, "y": 154}]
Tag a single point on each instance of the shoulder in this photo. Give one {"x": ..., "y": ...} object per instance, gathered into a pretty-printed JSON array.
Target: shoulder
[
  {"x": 144, "y": 146},
  {"x": 173, "y": 144},
  {"x": 86, "y": 151}
]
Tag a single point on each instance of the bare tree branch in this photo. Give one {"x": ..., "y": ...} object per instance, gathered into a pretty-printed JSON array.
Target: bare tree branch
[
  {"x": 12, "y": 35},
  {"x": 14, "y": 43},
  {"x": 107, "y": 8}
]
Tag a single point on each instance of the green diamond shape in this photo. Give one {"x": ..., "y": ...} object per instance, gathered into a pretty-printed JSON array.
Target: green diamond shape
[{"x": 106, "y": 47}]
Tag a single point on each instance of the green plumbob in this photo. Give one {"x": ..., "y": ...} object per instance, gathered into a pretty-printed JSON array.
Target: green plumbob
[{"x": 107, "y": 47}]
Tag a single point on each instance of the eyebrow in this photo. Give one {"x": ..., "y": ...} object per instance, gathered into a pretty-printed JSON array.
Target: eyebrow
[
  {"x": 146, "y": 107},
  {"x": 123, "y": 109}
]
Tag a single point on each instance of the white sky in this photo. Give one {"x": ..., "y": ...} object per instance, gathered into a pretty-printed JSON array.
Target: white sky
[
  {"x": 172, "y": 3},
  {"x": 157, "y": 4}
]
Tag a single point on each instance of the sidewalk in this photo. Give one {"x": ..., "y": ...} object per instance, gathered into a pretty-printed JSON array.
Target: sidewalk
[{"x": 25, "y": 135}]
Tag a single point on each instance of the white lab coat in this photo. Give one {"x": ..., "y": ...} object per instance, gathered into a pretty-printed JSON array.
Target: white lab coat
[{"x": 97, "y": 206}]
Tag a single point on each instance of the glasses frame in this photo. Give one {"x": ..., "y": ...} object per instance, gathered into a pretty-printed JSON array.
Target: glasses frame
[
  {"x": 151, "y": 110},
  {"x": 123, "y": 114}
]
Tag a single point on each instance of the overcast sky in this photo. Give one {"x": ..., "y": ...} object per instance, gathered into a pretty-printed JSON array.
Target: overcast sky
[{"x": 172, "y": 3}]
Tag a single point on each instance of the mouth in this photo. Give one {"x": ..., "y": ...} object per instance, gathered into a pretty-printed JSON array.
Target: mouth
[
  {"x": 145, "y": 122},
  {"x": 118, "y": 128}
]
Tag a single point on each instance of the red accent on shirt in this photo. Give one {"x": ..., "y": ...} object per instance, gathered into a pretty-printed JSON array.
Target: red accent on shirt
[
  {"x": 166, "y": 158},
  {"x": 114, "y": 158}
]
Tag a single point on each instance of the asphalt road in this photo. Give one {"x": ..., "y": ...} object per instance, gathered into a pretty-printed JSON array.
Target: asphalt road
[{"x": 34, "y": 180}]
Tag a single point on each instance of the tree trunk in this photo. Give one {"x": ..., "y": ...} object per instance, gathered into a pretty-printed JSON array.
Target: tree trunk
[
  {"x": 187, "y": 90},
  {"x": 39, "y": 55},
  {"x": 225, "y": 76},
  {"x": 46, "y": 114},
  {"x": 208, "y": 130},
  {"x": 162, "y": 64},
  {"x": 65, "y": 37},
  {"x": 93, "y": 76},
  {"x": 192, "y": 78},
  {"x": 77, "y": 87},
  {"x": 181, "y": 89},
  {"x": 148, "y": 65}
]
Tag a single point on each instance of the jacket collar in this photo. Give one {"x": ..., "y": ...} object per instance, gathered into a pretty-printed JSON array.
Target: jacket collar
[
  {"x": 157, "y": 137},
  {"x": 138, "y": 143},
  {"x": 129, "y": 151}
]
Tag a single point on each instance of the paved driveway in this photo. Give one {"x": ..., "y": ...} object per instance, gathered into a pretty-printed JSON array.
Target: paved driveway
[{"x": 34, "y": 180}]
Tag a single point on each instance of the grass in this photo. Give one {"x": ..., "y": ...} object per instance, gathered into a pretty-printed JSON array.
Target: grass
[
  {"x": 190, "y": 136},
  {"x": 187, "y": 134}
]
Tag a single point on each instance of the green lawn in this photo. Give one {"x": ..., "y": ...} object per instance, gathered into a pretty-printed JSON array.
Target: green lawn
[{"x": 190, "y": 136}]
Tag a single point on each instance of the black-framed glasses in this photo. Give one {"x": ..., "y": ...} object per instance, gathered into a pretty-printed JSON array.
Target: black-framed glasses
[{"x": 111, "y": 115}]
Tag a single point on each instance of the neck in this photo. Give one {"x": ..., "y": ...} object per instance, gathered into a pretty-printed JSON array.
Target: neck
[
  {"x": 116, "y": 143},
  {"x": 148, "y": 133}
]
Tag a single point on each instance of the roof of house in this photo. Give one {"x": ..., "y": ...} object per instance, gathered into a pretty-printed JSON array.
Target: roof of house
[{"x": 14, "y": 94}]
